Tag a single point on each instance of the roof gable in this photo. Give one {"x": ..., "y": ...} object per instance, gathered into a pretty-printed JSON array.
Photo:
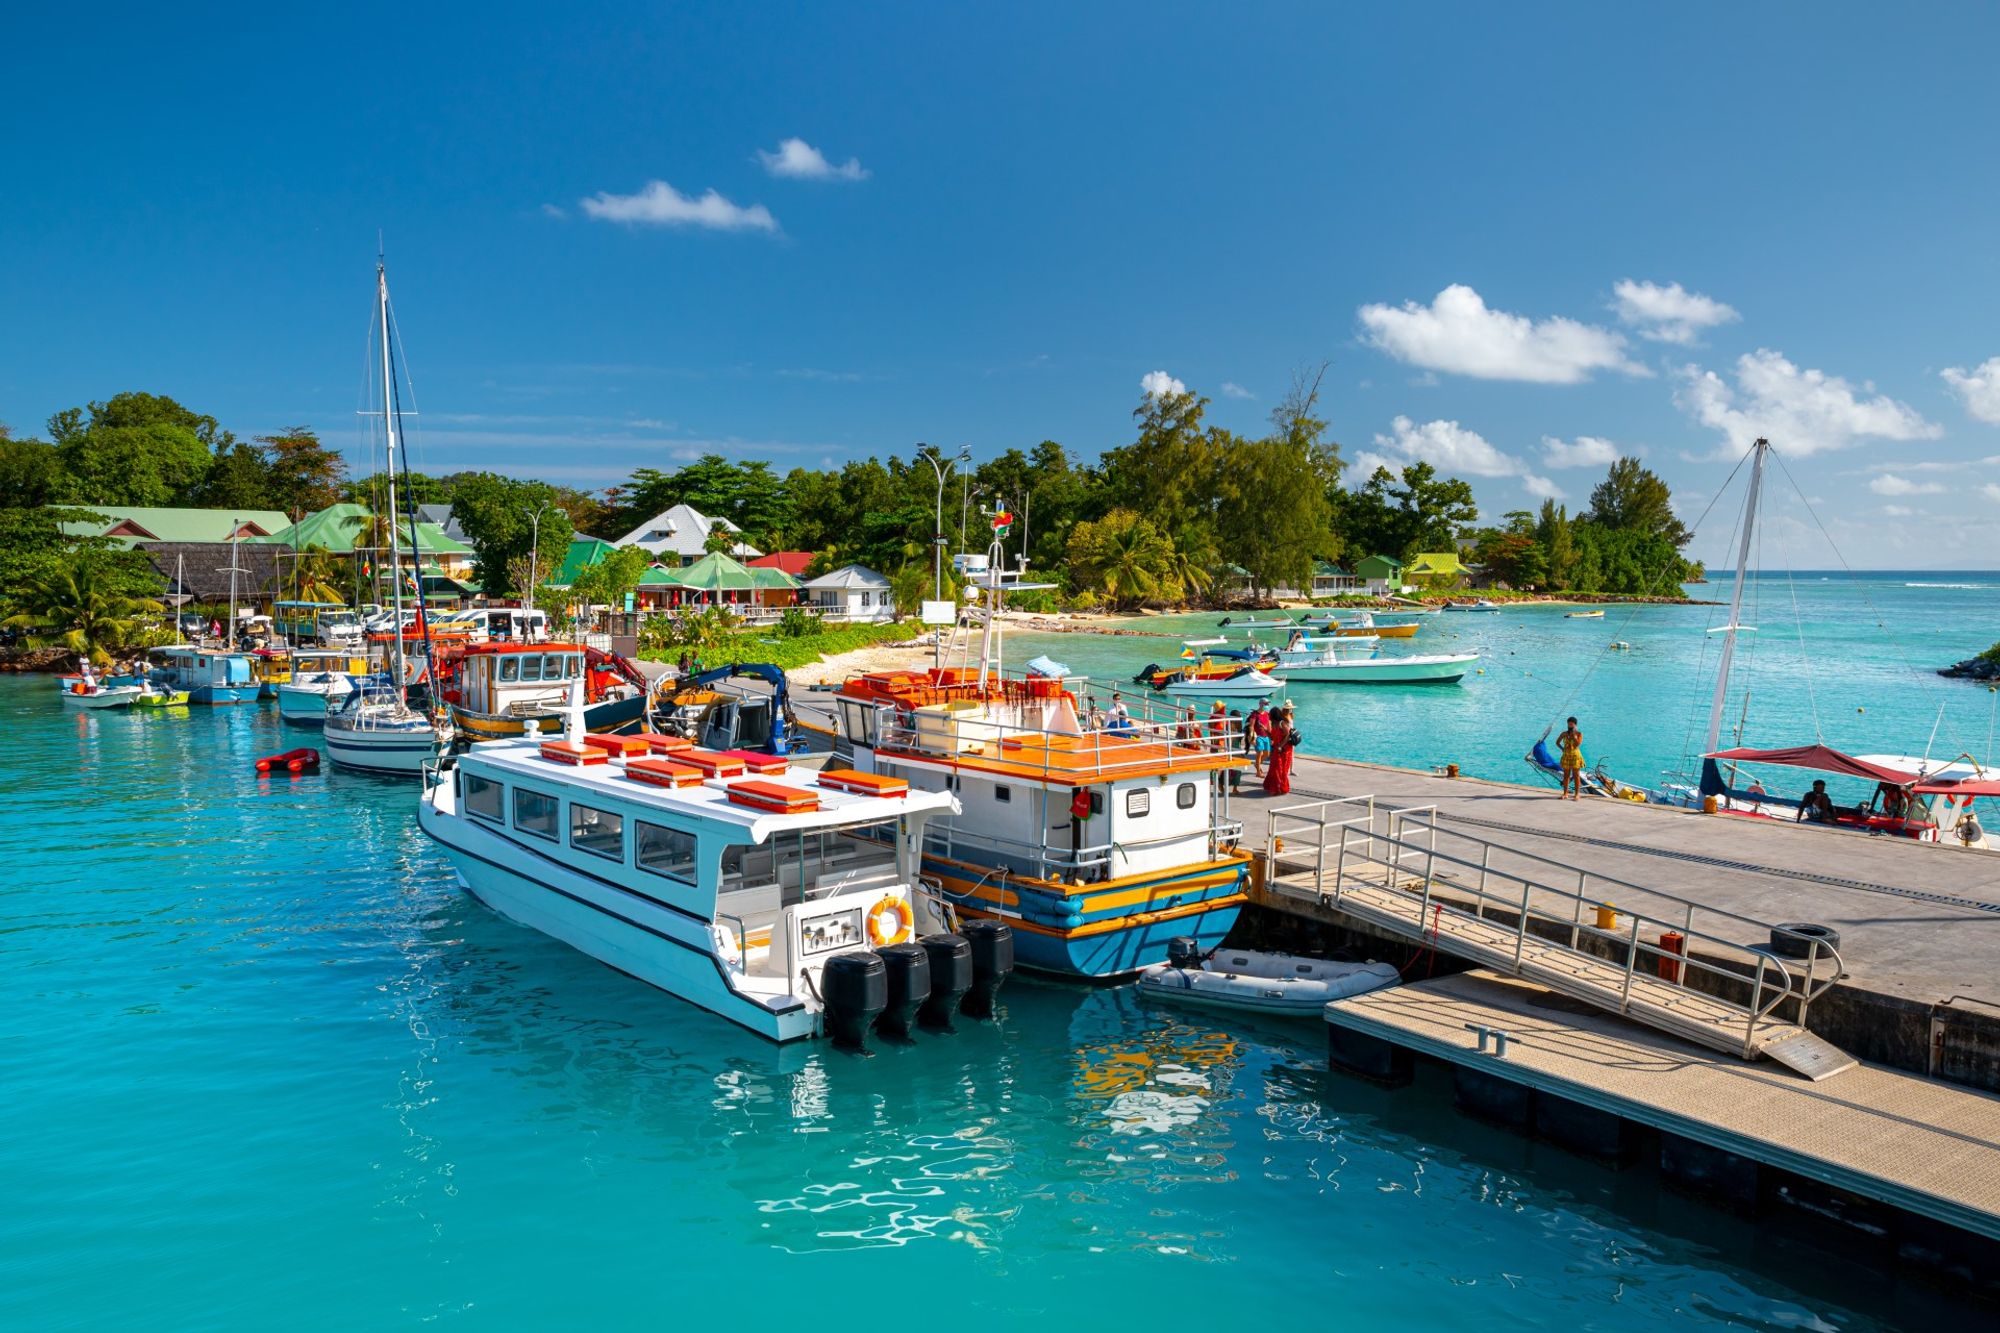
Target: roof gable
[{"x": 850, "y": 576}]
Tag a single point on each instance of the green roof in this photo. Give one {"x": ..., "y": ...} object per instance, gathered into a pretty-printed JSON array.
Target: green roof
[
  {"x": 1370, "y": 566},
  {"x": 1327, "y": 569},
  {"x": 714, "y": 572},
  {"x": 772, "y": 578},
  {"x": 141, "y": 523},
  {"x": 583, "y": 553},
  {"x": 1431, "y": 563},
  {"x": 340, "y": 528}
]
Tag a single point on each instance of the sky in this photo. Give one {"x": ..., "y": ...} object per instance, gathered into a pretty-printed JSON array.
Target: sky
[{"x": 1523, "y": 238}]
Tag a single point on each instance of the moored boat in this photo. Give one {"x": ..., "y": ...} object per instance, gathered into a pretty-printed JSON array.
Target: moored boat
[
  {"x": 1481, "y": 604},
  {"x": 1584, "y": 615},
  {"x": 1248, "y": 981},
  {"x": 494, "y": 689},
  {"x": 92, "y": 696},
  {"x": 206, "y": 675},
  {"x": 1323, "y": 661}
]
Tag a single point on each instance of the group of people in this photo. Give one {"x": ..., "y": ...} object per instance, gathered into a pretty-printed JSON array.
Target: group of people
[{"x": 1268, "y": 737}]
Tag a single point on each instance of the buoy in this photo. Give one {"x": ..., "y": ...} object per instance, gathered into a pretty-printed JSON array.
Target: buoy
[{"x": 302, "y": 760}]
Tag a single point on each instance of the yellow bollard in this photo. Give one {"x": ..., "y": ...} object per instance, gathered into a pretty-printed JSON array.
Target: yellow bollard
[
  {"x": 1710, "y": 805},
  {"x": 1607, "y": 916}
]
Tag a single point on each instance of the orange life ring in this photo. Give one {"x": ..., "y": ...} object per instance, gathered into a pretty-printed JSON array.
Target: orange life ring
[{"x": 894, "y": 910}]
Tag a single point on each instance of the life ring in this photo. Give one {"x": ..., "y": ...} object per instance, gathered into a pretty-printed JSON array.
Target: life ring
[{"x": 891, "y": 910}]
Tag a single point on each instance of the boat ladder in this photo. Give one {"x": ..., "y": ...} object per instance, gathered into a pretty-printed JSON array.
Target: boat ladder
[{"x": 1661, "y": 960}]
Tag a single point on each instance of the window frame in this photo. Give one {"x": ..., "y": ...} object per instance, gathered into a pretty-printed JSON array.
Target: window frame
[
  {"x": 555, "y": 813},
  {"x": 499, "y": 814},
  {"x": 639, "y": 830},
  {"x": 1185, "y": 796},
  {"x": 619, "y": 855},
  {"x": 1142, "y": 798}
]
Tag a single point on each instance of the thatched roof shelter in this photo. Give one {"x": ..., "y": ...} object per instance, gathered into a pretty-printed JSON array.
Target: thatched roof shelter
[{"x": 204, "y": 568}]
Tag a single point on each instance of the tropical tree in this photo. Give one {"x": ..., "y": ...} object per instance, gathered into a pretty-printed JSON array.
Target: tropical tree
[
  {"x": 78, "y": 607},
  {"x": 1126, "y": 558},
  {"x": 303, "y": 475}
]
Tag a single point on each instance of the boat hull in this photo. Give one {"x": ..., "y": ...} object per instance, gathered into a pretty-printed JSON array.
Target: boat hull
[
  {"x": 389, "y": 750},
  {"x": 224, "y": 694},
  {"x": 1382, "y": 671},
  {"x": 612, "y": 717},
  {"x": 662, "y": 946},
  {"x": 116, "y": 696},
  {"x": 306, "y": 707},
  {"x": 1099, "y": 930},
  {"x": 1287, "y": 997}
]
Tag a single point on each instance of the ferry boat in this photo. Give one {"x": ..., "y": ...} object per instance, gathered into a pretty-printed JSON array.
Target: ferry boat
[
  {"x": 208, "y": 676},
  {"x": 494, "y": 689},
  {"x": 759, "y": 891}
]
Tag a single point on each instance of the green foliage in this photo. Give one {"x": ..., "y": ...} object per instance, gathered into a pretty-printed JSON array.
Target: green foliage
[
  {"x": 607, "y": 582},
  {"x": 136, "y": 449},
  {"x": 748, "y": 494},
  {"x": 780, "y": 650},
  {"x": 1632, "y": 499},
  {"x": 1403, "y": 514},
  {"x": 495, "y": 514},
  {"x": 798, "y": 623},
  {"x": 303, "y": 476},
  {"x": 82, "y": 604},
  {"x": 1126, "y": 559}
]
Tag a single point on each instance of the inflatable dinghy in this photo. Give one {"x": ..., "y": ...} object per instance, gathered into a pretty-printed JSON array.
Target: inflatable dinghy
[{"x": 1262, "y": 983}]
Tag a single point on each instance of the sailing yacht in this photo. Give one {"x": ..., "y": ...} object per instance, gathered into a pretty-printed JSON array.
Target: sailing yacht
[{"x": 374, "y": 729}]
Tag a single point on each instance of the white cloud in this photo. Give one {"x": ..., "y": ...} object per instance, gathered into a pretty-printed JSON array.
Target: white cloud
[
  {"x": 1159, "y": 384},
  {"x": 1231, "y": 389},
  {"x": 1586, "y": 451},
  {"x": 1891, "y": 484},
  {"x": 1978, "y": 389},
  {"x": 1452, "y": 450},
  {"x": 551, "y": 211},
  {"x": 1458, "y": 333},
  {"x": 798, "y": 160},
  {"x": 1990, "y": 490},
  {"x": 1800, "y": 411},
  {"x": 1669, "y": 314},
  {"x": 661, "y": 205},
  {"x": 1898, "y": 511}
]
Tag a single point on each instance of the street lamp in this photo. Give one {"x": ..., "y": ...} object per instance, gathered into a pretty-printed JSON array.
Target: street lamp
[
  {"x": 534, "y": 545},
  {"x": 938, "y": 465}
]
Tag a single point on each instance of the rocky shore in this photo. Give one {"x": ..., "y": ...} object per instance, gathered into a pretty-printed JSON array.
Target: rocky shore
[{"x": 1986, "y": 666}]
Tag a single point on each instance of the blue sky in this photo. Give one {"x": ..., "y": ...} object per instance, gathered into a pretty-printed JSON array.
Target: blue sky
[{"x": 1656, "y": 231}]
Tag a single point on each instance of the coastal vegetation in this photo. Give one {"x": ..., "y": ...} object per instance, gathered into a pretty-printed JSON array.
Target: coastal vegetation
[
  {"x": 714, "y": 638},
  {"x": 80, "y": 606}
]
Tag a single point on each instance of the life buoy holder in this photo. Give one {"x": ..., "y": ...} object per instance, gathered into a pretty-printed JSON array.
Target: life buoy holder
[{"x": 888, "y": 922}]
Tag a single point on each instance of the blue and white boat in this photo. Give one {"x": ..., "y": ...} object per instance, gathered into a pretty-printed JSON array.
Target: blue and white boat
[{"x": 208, "y": 676}]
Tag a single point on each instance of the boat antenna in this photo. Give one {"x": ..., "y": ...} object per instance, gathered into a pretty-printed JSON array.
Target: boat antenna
[{"x": 1757, "y": 454}]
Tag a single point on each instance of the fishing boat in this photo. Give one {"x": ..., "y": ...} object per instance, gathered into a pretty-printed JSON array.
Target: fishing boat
[
  {"x": 1482, "y": 604},
  {"x": 152, "y": 696},
  {"x": 494, "y": 689},
  {"x": 1247, "y": 981},
  {"x": 1238, "y": 682},
  {"x": 1583, "y": 615},
  {"x": 1098, "y": 844},
  {"x": 374, "y": 729},
  {"x": 1252, "y": 622},
  {"x": 205, "y": 675},
  {"x": 777, "y": 897},
  {"x": 87, "y": 693}
]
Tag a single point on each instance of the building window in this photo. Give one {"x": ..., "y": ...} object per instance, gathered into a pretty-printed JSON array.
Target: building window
[
  {"x": 1003, "y": 794},
  {"x": 483, "y": 797},
  {"x": 666, "y": 851},
  {"x": 535, "y": 812},
  {"x": 600, "y": 832},
  {"x": 1138, "y": 803},
  {"x": 1184, "y": 796}
]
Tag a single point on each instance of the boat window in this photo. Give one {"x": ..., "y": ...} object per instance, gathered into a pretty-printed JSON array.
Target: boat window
[
  {"x": 1184, "y": 796},
  {"x": 601, "y": 832},
  {"x": 556, "y": 667},
  {"x": 483, "y": 797},
  {"x": 535, "y": 812},
  {"x": 531, "y": 667},
  {"x": 1003, "y": 794},
  {"x": 1138, "y": 803},
  {"x": 666, "y": 851},
  {"x": 510, "y": 669}
]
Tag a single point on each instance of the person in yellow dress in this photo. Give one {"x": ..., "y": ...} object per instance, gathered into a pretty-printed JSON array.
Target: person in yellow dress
[{"x": 1570, "y": 746}]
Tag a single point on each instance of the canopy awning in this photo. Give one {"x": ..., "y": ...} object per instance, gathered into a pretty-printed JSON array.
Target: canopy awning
[
  {"x": 1819, "y": 758},
  {"x": 1967, "y": 787}
]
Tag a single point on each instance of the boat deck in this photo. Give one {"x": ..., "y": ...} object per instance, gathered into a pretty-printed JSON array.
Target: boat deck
[{"x": 1900, "y": 1139}]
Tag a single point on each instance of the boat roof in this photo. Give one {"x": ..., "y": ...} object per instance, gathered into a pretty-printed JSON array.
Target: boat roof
[
  {"x": 709, "y": 802},
  {"x": 508, "y": 646}
]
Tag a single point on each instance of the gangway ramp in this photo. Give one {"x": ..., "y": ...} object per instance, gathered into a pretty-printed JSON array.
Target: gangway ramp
[{"x": 1703, "y": 975}]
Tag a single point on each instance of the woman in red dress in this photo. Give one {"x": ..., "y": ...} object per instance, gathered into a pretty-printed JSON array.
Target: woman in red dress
[{"x": 1284, "y": 740}]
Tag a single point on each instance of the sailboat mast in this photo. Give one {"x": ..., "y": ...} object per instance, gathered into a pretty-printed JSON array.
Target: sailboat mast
[
  {"x": 1757, "y": 452},
  {"x": 389, "y": 433}
]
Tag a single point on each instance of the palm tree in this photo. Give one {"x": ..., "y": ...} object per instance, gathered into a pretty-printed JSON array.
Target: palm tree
[
  {"x": 1131, "y": 559},
  {"x": 74, "y": 607}
]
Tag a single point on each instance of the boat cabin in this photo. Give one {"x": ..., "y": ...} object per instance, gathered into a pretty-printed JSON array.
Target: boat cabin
[{"x": 518, "y": 680}]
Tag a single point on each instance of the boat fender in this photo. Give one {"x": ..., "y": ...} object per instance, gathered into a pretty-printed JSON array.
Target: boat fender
[
  {"x": 888, "y": 922},
  {"x": 992, "y": 960},
  {"x": 1795, "y": 939},
  {"x": 854, "y": 987}
]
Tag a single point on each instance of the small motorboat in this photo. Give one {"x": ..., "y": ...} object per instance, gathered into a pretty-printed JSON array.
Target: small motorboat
[
  {"x": 85, "y": 694},
  {"x": 1620, "y": 646},
  {"x": 1252, "y": 622},
  {"x": 1480, "y": 605},
  {"x": 1263, "y": 983},
  {"x": 1243, "y": 683},
  {"x": 1583, "y": 615},
  {"x": 1331, "y": 668},
  {"x": 152, "y": 696}
]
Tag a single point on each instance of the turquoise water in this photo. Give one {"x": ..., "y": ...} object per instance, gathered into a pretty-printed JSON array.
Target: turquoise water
[
  {"x": 1825, "y": 644},
  {"x": 264, "y": 1065}
]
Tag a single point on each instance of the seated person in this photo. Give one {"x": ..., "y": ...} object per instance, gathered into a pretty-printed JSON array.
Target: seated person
[
  {"x": 1892, "y": 804},
  {"x": 1816, "y": 806}
]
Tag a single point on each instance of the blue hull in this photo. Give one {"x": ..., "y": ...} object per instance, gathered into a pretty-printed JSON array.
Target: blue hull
[
  {"x": 224, "y": 694},
  {"x": 1117, "y": 952}
]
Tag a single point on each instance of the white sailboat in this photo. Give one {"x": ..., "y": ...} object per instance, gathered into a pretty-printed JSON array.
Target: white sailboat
[{"x": 375, "y": 729}]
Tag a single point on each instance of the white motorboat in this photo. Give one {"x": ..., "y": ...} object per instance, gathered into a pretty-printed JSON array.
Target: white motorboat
[
  {"x": 309, "y": 696},
  {"x": 88, "y": 695},
  {"x": 1481, "y": 604},
  {"x": 786, "y": 900},
  {"x": 1264, "y": 983},
  {"x": 1245, "y": 683},
  {"x": 1418, "y": 669}
]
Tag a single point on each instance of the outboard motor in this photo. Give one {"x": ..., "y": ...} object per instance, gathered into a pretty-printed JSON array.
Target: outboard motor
[
  {"x": 908, "y": 969},
  {"x": 992, "y": 959},
  {"x": 1146, "y": 674},
  {"x": 950, "y": 960},
  {"x": 1184, "y": 952},
  {"x": 854, "y": 987}
]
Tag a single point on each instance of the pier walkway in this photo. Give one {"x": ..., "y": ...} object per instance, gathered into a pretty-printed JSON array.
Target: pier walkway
[{"x": 1899, "y": 1139}]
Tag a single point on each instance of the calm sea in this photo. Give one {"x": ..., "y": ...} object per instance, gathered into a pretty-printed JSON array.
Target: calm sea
[{"x": 264, "y": 1065}]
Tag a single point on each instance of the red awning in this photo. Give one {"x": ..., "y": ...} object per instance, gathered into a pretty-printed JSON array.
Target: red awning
[
  {"x": 1819, "y": 758},
  {"x": 1969, "y": 787}
]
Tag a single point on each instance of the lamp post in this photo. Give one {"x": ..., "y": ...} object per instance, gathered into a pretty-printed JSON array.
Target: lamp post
[
  {"x": 534, "y": 545},
  {"x": 938, "y": 465}
]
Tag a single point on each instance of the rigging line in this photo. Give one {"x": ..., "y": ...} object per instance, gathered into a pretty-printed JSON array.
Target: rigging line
[
  {"x": 409, "y": 377},
  {"x": 1799, "y": 625},
  {"x": 1708, "y": 630},
  {"x": 1861, "y": 585}
]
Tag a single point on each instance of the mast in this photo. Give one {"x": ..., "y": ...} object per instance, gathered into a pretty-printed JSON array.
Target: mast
[
  {"x": 389, "y": 431},
  {"x": 1757, "y": 452}
]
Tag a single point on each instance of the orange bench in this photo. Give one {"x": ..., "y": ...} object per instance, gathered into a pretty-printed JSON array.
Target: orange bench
[
  {"x": 710, "y": 762},
  {"x": 773, "y": 796},
  {"x": 617, "y": 745},
  {"x": 663, "y": 773},
  {"x": 863, "y": 784},
  {"x": 566, "y": 752},
  {"x": 758, "y": 763}
]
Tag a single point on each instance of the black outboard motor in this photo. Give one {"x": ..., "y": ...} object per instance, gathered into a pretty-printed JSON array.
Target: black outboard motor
[
  {"x": 854, "y": 987},
  {"x": 908, "y": 974},
  {"x": 950, "y": 960},
  {"x": 1183, "y": 952},
  {"x": 992, "y": 959},
  {"x": 1145, "y": 676}
]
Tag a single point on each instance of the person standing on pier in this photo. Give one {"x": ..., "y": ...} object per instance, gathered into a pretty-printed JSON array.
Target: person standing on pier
[
  {"x": 1260, "y": 736},
  {"x": 1570, "y": 746},
  {"x": 1284, "y": 740}
]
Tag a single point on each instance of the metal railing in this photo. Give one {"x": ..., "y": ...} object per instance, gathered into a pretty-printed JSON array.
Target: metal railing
[
  {"x": 1003, "y": 729},
  {"x": 1329, "y": 848}
]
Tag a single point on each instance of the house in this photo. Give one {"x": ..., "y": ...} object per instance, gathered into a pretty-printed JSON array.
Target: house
[
  {"x": 352, "y": 530},
  {"x": 129, "y": 525},
  {"x": 1435, "y": 569},
  {"x": 1330, "y": 580},
  {"x": 713, "y": 580},
  {"x": 441, "y": 516},
  {"x": 852, "y": 594},
  {"x": 1379, "y": 575},
  {"x": 793, "y": 563},
  {"x": 680, "y": 536}
]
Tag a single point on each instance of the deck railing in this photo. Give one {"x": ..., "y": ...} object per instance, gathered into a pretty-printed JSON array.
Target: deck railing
[{"x": 1325, "y": 849}]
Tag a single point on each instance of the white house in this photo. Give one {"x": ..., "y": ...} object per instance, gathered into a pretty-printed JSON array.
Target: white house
[
  {"x": 853, "y": 594},
  {"x": 680, "y": 536}
]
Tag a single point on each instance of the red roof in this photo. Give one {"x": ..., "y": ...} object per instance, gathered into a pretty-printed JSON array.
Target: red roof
[{"x": 790, "y": 562}]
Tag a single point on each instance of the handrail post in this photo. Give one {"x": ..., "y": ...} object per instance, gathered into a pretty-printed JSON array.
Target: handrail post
[
  {"x": 1485, "y": 856},
  {"x": 1631, "y": 966},
  {"x": 1756, "y": 998},
  {"x": 1319, "y": 872},
  {"x": 1576, "y": 912},
  {"x": 1521, "y": 926}
]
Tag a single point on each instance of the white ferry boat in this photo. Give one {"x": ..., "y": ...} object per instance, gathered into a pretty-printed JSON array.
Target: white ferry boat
[{"x": 784, "y": 899}]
